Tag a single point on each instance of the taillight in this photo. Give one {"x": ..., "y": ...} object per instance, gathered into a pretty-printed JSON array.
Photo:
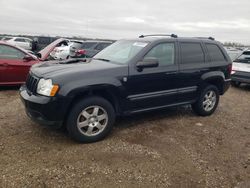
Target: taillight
[{"x": 80, "y": 52}]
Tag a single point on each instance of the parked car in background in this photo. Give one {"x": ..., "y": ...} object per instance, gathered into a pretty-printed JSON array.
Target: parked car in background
[
  {"x": 241, "y": 69},
  {"x": 233, "y": 53},
  {"x": 87, "y": 49},
  {"x": 62, "y": 52},
  {"x": 15, "y": 64},
  {"x": 45, "y": 54},
  {"x": 128, "y": 77},
  {"x": 41, "y": 42},
  {"x": 22, "y": 42}
]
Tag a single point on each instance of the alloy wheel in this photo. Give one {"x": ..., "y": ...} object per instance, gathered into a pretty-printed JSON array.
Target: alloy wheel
[{"x": 92, "y": 120}]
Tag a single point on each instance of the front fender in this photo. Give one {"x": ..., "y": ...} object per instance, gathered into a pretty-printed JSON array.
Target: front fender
[{"x": 74, "y": 87}]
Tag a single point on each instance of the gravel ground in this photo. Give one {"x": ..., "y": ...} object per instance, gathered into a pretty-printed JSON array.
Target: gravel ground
[{"x": 171, "y": 148}]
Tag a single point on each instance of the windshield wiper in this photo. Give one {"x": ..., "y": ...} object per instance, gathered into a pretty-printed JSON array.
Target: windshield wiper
[{"x": 102, "y": 59}]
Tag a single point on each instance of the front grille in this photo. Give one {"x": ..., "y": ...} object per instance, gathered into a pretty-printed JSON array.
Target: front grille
[{"x": 31, "y": 83}]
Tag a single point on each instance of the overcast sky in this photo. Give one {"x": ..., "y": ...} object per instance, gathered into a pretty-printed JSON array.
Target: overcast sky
[{"x": 226, "y": 20}]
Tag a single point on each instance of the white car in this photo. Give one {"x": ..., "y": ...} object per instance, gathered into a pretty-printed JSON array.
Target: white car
[
  {"x": 21, "y": 42},
  {"x": 62, "y": 52},
  {"x": 241, "y": 69}
]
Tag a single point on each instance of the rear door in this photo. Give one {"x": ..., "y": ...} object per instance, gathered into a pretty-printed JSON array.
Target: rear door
[
  {"x": 193, "y": 63},
  {"x": 13, "y": 69}
]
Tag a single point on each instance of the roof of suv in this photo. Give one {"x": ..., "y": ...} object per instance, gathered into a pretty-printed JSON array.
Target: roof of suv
[{"x": 153, "y": 38}]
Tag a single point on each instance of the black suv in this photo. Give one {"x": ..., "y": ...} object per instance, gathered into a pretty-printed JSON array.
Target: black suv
[{"x": 128, "y": 77}]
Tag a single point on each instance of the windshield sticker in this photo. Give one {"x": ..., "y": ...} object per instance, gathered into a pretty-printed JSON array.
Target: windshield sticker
[{"x": 140, "y": 44}]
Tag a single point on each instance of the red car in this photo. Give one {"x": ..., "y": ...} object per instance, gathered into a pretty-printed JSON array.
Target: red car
[{"x": 15, "y": 62}]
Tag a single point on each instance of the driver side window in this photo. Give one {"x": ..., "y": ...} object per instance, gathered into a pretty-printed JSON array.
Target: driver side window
[
  {"x": 164, "y": 52},
  {"x": 7, "y": 52}
]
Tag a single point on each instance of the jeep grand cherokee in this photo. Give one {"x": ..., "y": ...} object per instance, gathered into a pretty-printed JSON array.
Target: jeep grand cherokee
[{"x": 128, "y": 77}]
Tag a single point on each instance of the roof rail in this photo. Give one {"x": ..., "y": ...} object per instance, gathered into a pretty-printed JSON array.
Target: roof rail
[
  {"x": 210, "y": 38},
  {"x": 155, "y": 35}
]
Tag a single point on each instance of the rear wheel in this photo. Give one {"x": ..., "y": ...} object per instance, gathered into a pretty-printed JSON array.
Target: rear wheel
[
  {"x": 207, "y": 102},
  {"x": 91, "y": 120}
]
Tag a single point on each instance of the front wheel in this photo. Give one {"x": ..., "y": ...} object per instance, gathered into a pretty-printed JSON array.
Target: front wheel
[
  {"x": 91, "y": 120},
  {"x": 207, "y": 101}
]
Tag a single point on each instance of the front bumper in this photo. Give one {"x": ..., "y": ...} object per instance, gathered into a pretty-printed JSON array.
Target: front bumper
[
  {"x": 243, "y": 77},
  {"x": 44, "y": 110}
]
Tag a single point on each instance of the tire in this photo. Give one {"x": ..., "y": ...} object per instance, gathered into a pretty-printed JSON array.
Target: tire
[
  {"x": 235, "y": 83},
  {"x": 210, "y": 94},
  {"x": 90, "y": 120}
]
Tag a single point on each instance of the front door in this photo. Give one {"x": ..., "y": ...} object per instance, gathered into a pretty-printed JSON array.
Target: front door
[{"x": 155, "y": 87}]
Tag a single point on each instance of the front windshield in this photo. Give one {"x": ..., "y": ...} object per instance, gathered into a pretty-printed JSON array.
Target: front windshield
[{"x": 121, "y": 51}]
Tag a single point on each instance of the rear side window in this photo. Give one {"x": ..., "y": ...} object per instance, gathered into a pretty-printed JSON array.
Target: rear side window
[
  {"x": 215, "y": 53},
  {"x": 192, "y": 53},
  {"x": 164, "y": 52},
  {"x": 7, "y": 52}
]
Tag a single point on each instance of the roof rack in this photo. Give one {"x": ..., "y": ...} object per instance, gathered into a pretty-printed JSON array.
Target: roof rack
[
  {"x": 154, "y": 35},
  {"x": 210, "y": 38}
]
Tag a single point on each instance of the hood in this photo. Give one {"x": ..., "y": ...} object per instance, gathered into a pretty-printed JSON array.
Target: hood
[{"x": 72, "y": 67}]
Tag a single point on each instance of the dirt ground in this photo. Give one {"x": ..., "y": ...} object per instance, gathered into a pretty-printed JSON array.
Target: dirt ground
[{"x": 171, "y": 148}]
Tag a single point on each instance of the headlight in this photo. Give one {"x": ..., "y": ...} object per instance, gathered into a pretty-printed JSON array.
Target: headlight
[{"x": 45, "y": 87}]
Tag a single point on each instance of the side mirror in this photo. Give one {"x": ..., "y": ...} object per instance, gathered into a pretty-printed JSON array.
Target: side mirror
[
  {"x": 147, "y": 63},
  {"x": 27, "y": 58}
]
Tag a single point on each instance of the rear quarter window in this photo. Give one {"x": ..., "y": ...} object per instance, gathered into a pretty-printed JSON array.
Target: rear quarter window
[{"x": 215, "y": 52}]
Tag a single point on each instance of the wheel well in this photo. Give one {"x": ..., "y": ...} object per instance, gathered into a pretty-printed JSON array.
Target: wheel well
[
  {"x": 104, "y": 93},
  {"x": 218, "y": 82}
]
